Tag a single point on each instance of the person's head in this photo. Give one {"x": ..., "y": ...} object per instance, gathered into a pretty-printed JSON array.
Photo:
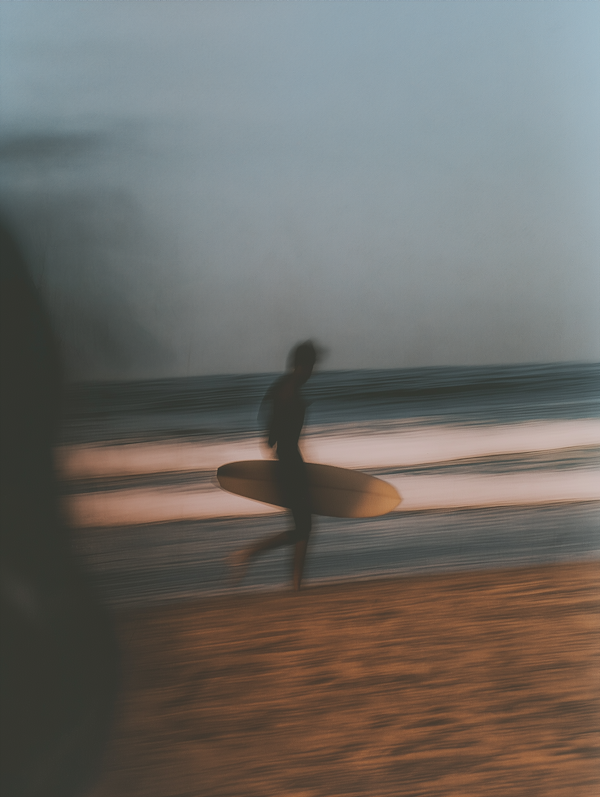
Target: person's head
[{"x": 302, "y": 359}]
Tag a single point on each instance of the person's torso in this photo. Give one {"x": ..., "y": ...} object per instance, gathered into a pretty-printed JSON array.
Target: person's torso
[{"x": 287, "y": 415}]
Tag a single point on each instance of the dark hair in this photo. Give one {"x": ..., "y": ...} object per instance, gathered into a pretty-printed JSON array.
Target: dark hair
[{"x": 303, "y": 354}]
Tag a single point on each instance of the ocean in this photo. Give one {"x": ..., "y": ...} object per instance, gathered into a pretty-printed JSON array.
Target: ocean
[{"x": 496, "y": 466}]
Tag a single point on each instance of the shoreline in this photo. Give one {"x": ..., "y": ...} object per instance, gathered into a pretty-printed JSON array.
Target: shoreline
[{"x": 477, "y": 682}]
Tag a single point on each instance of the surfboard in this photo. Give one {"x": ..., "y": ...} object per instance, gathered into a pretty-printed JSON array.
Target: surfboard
[{"x": 334, "y": 492}]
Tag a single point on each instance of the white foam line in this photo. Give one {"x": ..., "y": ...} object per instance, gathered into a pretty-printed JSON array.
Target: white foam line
[
  {"x": 437, "y": 444},
  {"x": 97, "y": 461},
  {"x": 399, "y": 448},
  {"x": 511, "y": 489},
  {"x": 132, "y": 507},
  {"x": 142, "y": 506}
]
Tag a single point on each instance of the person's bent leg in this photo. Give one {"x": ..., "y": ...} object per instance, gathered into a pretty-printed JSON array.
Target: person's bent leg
[
  {"x": 239, "y": 560},
  {"x": 268, "y": 544}
]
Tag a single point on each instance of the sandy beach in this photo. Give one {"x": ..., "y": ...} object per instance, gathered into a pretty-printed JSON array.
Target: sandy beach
[{"x": 484, "y": 683}]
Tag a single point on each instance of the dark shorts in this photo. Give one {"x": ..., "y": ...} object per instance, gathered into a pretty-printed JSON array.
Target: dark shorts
[{"x": 293, "y": 481}]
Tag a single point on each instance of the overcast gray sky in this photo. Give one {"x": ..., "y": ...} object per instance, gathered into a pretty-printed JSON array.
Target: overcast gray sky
[{"x": 200, "y": 185}]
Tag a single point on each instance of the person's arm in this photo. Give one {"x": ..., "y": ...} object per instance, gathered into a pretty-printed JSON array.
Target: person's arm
[
  {"x": 281, "y": 396},
  {"x": 266, "y": 418},
  {"x": 275, "y": 419}
]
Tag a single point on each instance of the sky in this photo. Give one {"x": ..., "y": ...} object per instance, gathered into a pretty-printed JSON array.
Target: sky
[{"x": 199, "y": 185}]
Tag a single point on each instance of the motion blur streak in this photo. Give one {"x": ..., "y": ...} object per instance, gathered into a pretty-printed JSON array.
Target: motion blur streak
[
  {"x": 494, "y": 466},
  {"x": 58, "y": 659}
]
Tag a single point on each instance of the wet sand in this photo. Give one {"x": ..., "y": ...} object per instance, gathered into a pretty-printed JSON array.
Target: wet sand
[{"x": 482, "y": 683}]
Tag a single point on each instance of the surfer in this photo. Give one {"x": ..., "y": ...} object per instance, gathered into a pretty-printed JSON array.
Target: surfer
[{"x": 286, "y": 409}]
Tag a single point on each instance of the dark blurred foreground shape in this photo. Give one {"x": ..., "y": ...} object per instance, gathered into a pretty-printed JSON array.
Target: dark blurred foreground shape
[{"x": 58, "y": 654}]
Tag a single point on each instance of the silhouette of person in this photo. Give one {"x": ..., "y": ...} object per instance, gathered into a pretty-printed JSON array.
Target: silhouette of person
[
  {"x": 287, "y": 409},
  {"x": 59, "y": 662}
]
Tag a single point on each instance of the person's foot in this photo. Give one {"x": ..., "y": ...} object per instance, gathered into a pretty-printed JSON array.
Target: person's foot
[{"x": 237, "y": 563}]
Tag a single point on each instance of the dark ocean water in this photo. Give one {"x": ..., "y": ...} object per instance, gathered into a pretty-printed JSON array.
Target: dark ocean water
[
  {"x": 229, "y": 405},
  {"x": 518, "y": 445}
]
